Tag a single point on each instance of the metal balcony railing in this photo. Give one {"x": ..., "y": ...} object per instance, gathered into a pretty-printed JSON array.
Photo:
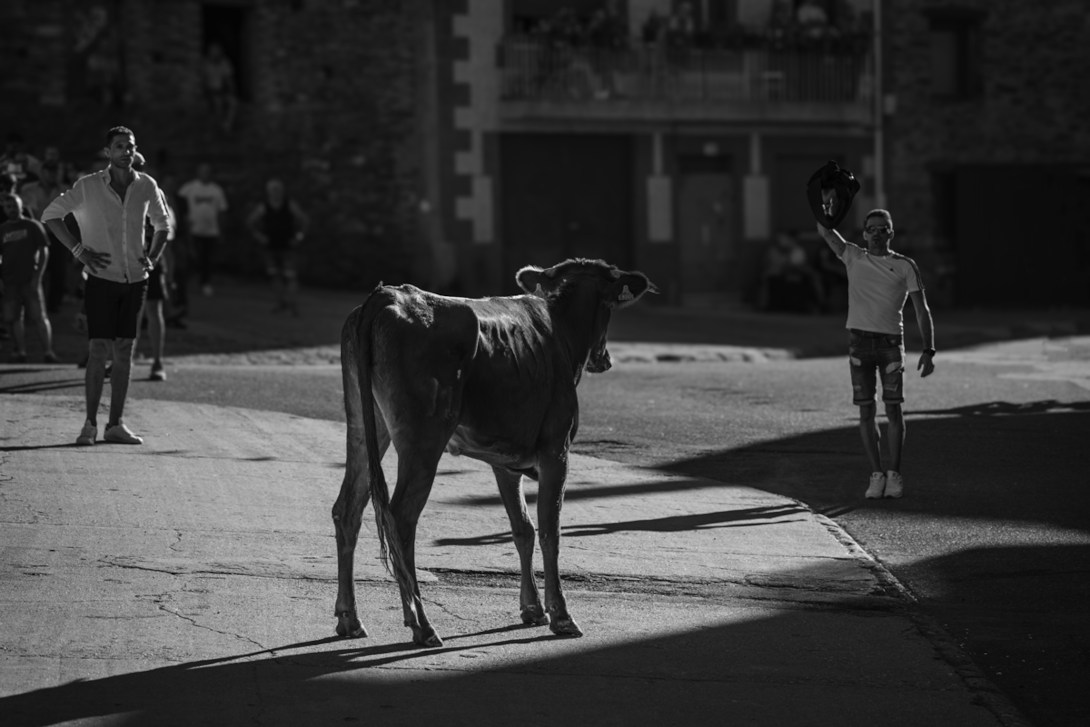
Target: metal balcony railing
[{"x": 536, "y": 70}]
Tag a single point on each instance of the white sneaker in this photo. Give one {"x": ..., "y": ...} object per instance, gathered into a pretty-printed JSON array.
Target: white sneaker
[
  {"x": 877, "y": 486},
  {"x": 895, "y": 484},
  {"x": 87, "y": 435},
  {"x": 120, "y": 434}
]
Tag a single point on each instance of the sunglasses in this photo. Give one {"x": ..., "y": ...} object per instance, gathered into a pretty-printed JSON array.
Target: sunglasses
[{"x": 870, "y": 230}]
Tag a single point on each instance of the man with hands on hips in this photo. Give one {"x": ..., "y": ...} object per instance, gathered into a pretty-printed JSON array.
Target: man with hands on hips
[
  {"x": 110, "y": 207},
  {"x": 879, "y": 282}
]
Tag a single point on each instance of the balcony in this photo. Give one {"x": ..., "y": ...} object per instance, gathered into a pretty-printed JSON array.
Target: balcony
[{"x": 544, "y": 81}]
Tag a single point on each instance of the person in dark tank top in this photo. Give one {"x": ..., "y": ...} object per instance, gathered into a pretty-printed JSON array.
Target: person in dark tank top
[{"x": 279, "y": 225}]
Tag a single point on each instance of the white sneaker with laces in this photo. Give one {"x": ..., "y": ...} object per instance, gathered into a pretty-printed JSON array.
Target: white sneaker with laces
[
  {"x": 120, "y": 434},
  {"x": 87, "y": 435},
  {"x": 877, "y": 486},
  {"x": 895, "y": 484}
]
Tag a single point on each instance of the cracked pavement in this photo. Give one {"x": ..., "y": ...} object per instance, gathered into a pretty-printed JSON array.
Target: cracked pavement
[{"x": 191, "y": 581}]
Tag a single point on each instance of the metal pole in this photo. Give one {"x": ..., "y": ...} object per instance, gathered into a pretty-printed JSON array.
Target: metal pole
[{"x": 879, "y": 112}]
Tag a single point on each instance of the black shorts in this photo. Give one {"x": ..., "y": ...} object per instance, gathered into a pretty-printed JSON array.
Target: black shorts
[
  {"x": 113, "y": 309},
  {"x": 156, "y": 291}
]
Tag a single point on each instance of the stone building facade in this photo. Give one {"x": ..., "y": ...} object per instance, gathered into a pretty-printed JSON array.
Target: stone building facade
[
  {"x": 330, "y": 102},
  {"x": 402, "y": 127},
  {"x": 988, "y": 145}
]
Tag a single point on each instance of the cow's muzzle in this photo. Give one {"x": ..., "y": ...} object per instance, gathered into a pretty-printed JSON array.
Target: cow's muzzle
[{"x": 599, "y": 361}]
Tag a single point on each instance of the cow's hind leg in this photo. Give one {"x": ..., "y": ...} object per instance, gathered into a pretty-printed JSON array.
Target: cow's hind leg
[
  {"x": 347, "y": 518},
  {"x": 416, "y": 474},
  {"x": 553, "y": 473},
  {"x": 522, "y": 530}
]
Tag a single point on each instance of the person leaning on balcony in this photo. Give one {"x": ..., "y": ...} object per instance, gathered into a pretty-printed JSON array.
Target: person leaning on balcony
[
  {"x": 879, "y": 282},
  {"x": 110, "y": 208}
]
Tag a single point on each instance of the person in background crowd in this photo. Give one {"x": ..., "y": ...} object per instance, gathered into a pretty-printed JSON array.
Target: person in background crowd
[
  {"x": 158, "y": 296},
  {"x": 279, "y": 226},
  {"x": 67, "y": 173},
  {"x": 110, "y": 208},
  {"x": 219, "y": 85},
  {"x": 205, "y": 206},
  {"x": 37, "y": 196},
  {"x": 25, "y": 252},
  {"x": 788, "y": 280},
  {"x": 15, "y": 160}
]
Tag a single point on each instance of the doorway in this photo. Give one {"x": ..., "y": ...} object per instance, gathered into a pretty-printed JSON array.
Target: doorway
[{"x": 707, "y": 214}]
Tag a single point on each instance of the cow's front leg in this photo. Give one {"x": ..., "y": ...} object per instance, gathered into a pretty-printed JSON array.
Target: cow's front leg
[
  {"x": 553, "y": 473},
  {"x": 522, "y": 531}
]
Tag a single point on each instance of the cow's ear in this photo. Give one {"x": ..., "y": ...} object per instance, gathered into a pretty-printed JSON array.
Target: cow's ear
[
  {"x": 627, "y": 289},
  {"x": 531, "y": 279}
]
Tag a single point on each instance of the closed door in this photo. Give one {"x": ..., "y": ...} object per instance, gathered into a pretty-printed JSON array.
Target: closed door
[{"x": 707, "y": 215}]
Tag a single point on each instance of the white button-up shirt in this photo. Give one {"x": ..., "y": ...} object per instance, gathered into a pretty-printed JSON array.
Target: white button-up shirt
[{"x": 108, "y": 223}]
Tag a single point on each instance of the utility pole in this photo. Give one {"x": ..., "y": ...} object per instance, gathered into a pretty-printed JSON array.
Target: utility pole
[{"x": 879, "y": 112}]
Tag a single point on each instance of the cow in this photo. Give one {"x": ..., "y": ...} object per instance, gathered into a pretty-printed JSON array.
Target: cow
[{"x": 489, "y": 378}]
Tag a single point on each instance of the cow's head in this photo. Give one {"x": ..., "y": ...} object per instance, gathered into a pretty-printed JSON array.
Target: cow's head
[{"x": 584, "y": 293}]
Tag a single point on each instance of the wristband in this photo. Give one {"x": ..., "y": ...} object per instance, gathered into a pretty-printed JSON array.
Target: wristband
[
  {"x": 929, "y": 352},
  {"x": 77, "y": 250}
]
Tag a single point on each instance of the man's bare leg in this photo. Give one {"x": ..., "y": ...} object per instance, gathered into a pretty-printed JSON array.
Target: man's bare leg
[
  {"x": 119, "y": 378},
  {"x": 98, "y": 349},
  {"x": 872, "y": 438}
]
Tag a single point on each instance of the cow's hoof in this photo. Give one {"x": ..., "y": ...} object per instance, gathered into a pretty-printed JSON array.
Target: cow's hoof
[
  {"x": 566, "y": 627},
  {"x": 534, "y": 616},
  {"x": 427, "y": 638},
  {"x": 349, "y": 626}
]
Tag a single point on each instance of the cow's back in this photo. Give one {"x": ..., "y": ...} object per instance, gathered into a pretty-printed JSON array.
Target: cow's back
[{"x": 421, "y": 345}]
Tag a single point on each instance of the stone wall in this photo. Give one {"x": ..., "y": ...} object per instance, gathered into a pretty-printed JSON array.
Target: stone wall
[
  {"x": 331, "y": 106},
  {"x": 1032, "y": 106}
]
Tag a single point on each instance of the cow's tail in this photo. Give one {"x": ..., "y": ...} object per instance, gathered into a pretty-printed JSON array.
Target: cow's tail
[{"x": 359, "y": 407}]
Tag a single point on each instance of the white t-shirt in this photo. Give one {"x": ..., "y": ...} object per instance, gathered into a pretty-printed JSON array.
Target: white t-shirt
[
  {"x": 877, "y": 289},
  {"x": 204, "y": 202}
]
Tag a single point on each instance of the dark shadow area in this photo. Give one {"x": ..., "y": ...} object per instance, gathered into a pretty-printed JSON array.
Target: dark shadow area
[
  {"x": 1001, "y": 471},
  {"x": 995, "y": 461},
  {"x": 1021, "y": 614},
  {"x": 580, "y": 491},
  {"x": 38, "y": 387},
  {"x": 746, "y": 517},
  {"x": 787, "y": 666},
  {"x": 33, "y": 447}
]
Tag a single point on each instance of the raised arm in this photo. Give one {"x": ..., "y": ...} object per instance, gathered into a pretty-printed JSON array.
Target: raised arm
[{"x": 833, "y": 239}]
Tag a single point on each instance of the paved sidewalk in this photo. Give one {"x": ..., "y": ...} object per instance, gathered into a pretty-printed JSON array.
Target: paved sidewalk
[{"x": 191, "y": 581}]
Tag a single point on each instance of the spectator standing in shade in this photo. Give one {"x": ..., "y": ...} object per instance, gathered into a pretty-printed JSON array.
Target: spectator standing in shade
[
  {"x": 205, "y": 206},
  {"x": 158, "y": 287},
  {"x": 219, "y": 85},
  {"x": 15, "y": 160},
  {"x": 37, "y": 196},
  {"x": 25, "y": 252},
  {"x": 279, "y": 225},
  {"x": 110, "y": 208}
]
